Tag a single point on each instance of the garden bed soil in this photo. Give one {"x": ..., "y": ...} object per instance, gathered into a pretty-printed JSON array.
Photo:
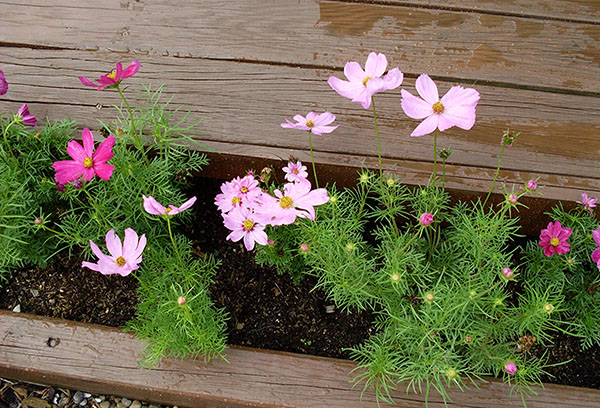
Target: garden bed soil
[{"x": 265, "y": 310}]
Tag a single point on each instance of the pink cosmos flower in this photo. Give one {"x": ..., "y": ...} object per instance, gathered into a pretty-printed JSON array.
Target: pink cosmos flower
[
  {"x": 155, "y": 208},
  {"x": 243, "y": 224},
  {"x": 554, "y": 239},
  {"x": 3, "y": 84},
  {"x": 510, "y": 368},
  {"x": 588, "y": 203},
  {"x": 297, "y": 200},
  {"x": 295, "y": 171},
  {"x": 237, "y": 192},
  {"x": 86, "y": 162},
  {"x": 596, "y": 253},
  {"x": 426, "y": 219},
  {"x": 113, "y": 78},
  {"x": 456, "y": 108},
  {"x": 123, "y": 258},
  {"x": 362, "y": 85},
  {"x": 26, "y": 118},
  {"x": 315, "y": 123}
]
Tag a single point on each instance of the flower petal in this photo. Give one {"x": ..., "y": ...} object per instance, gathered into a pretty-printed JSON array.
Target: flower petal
[
  {"x": 87, "y": 82},
  {"x": 376, "y": 65},
  {"x": 427, "y": 89},
  {"x": 346, "y": 89},
  {"x": 104, "y": 152},
  {"x": 414, "y": 107},
  {"x": 88, "y": 142},
  {"x": 457, "y": 95},
  {"x": 76, "y": 151},
  {"x": 427, "y": 126},
  {"x": 113, "y": 244},
  {"x": 67, "y": 171},
  {"x": 354, "y": 72},
  {"x": 461, "y": 116},
  {"x": 131, "y": 70},
  {"x": 104, "y": 171}
]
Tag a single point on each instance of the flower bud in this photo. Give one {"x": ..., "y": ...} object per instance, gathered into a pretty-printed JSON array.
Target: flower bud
[
  {"x": 181, "y": 300},
  {"x": 390, "y": 182},
  {"x": 510, "y": 368},
  {"x": 426, "y": 219},
  {"x": 468, "y": 339},
  {"x": 350, "y": 246},
  {"x": 364, "y": 178},
  {"x": 429, "y": 297},
  {"x": 118, "y": 131},
  {"x": 451, "y": 373},
  {"x": 304, "y": 247},
  {"x": 38, "y": 221},
  {"x": 61, "y": 187},
  {"x": 333, "y": 199},
  {"x": 507, "y": 273},
  {"x": 531, "y": 185},
  {"x": 270, "y": 242},
  {"x": 77, "y": 183},
  {"x": 395, "y": 277},
  {"x": 548, "y": 308},
  {"x": 512, "y": 198}
]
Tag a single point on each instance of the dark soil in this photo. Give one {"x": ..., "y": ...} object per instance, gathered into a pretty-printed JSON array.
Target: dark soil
[{"x": 265, "y": 310}]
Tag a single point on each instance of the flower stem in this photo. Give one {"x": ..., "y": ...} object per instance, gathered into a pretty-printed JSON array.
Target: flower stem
[
  {"x": 312, "y": 158},
  {"x": 95, "y": 206},
  {"x": 496, "y": 175},
  {"x": 435, "y": 155},
  {"x": 378, "y": 139},
  {"x": 172, "y": 240},
  {"x": 139, "y": 143},
  {"x": 5, "y": 140}
]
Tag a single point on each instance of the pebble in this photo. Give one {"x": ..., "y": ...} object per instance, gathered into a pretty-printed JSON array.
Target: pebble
[
  {"x": 154, "y": 406},
  {"x": 83, "y": 403},
  {"x": 78, "y": 397},
  {"x": 86, "y": 395},
  {"x": 64, "y": 400},
  {"x": 136, "y": 404},
  {"x": 126, "y": 402},
  {"x": 17, "y": 309},
  {"x": 105, "y": 404}
]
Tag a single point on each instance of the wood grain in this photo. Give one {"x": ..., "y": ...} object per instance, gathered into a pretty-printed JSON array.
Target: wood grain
[
  {"x": 105, "y": 360},
  {"x": 459, "y": 45},
  {"x": 243, "y": 105}
]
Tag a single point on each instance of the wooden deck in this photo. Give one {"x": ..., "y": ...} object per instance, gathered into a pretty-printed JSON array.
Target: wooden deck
[
  {"x": 105, "y": 360},
  {"x": 245, "y": 65}
]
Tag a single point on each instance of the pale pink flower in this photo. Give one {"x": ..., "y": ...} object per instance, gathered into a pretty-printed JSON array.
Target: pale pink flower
[
  {"x": 510, "y": 368},
  {"x": 316, "y": 123},
  {"x": 456, "y": 108},
  {"x": 426, "y": 219},
  {"x": 123, "y": 258},
  {"x": 238, "y": 192},
  {"x": 243, "y": 224},
  {"x": 295, "y": 171},
  {"x": 297, "y": 200},
  {"x": 24, "y": 117},
  {"x": 86, "y": 162},
  {"x": 596, "y": 253},
  {"x": 554, "y": 239},
  {"x": 362, "y": 85},
  {"x": 588, "y": 202},
  {"x": 113, "y": 78},
  {"x": 3, "y": 84},
  {"x": 155, "y": 208}
]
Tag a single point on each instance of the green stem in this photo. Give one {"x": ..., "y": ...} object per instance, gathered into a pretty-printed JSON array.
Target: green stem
[
  {"x": 62, "y": 234},
  {"x": 139, "y": 143},
  {"x": 5, "y": 140},
  {"x": 172, "y": 240},
  {"x": 496, "y": 175},
  {"x": 95, "y": 206},
  {"x": 435, "y": 155},
  {"x": 378, "y": 139},
  {"x": 444, "y": 173},
  {"x": 312, "y": 157}
]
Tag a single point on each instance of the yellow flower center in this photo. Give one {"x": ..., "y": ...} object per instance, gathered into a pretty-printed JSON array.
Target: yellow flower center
[
  {"x": 112, "y": 75},
  {"x": 286, "y": 202},
  {"x": 310, "y": 123},
  {"x": 244, "y": 190},
  {"x": 554, "y": 242},
  {"x": 121, "y": 261},
  {"x": 365, "y": 81},
  {"x": 248, "y": 225},
  {"x": 438, "y": 108},
  {"x": 236, "y": 200},
  {"x": 295, "y": 171},
  {"x": 88, "y": 162},
  {"x": 168, "y": 210}
]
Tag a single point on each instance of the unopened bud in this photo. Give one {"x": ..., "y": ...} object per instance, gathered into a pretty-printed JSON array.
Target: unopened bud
[
  {"x": 38, "y": 221},
  {"x": 118, "y": 131},
  {"x": 350, "y": 246},
  {"x": 270, "y": 242},
  {"x": 395, "y": 277},
  {"x": 512, "y": 198},
  {"x": 451, "y": 373},
  {"x": 548, "y": 308},
  {"x": 426, "y": 219},
  {"x": 77, "y": 183},
  {"x": 510, "y": 368},
  {"x": 304, "y": 247},
  {"x": 364, "y": 178},
  {"x": 507, "y": 273},
  {"x": 532, "y": 185},
  {"x": 468, "y": 339},
  {"x": 61, "y": 187},
  {"x": 181, "y": 300},
  {"x": 390, "y": 182},
  {"x": 429, "y": 297}
]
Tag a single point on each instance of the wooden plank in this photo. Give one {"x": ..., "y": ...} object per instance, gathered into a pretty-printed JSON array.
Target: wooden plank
[
  {"x": 102, "y": 359},
  {"x": 244, "y": 104},
  {"x": 555, "y": 55},
  {"x": 565, "y": 10}
]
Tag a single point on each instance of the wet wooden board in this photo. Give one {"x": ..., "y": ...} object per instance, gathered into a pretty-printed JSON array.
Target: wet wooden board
[
  {"x": 245, "y": 103},
  {"x": 105, "y": 360},
  {"x": 461, "y": 45}
]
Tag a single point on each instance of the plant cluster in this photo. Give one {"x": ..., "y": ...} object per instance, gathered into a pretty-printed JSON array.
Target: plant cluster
[
  {"x": 455, "y": 297},
  {"x": 57, "y": 195}
]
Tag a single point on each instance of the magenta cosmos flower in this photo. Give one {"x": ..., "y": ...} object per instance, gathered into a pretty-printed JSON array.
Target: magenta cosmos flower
[
  {"x": 86, "y": 162},
  {"x": 554, "y": 239},
  {"x": 295, "y": 171},
  {"x": 588, "y": 203},
  {"x": 24, "y": 117},
  {"x": 3, "y": 84},
  {"x": 123, "y": 258},
  {"x": 456, "y": 108},
  {"x": 315, "y": 123},
  {"x": 596, "y": 253},
  {"x": 362, "y": 85},
  {"x": 155, "y": 208},
  {"x": 113, "y": 78},
  {"x": 243, "y": 224},
  {"x": 296, "y": 200}
]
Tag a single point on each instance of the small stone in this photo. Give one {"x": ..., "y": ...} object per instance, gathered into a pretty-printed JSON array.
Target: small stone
[
  {"x": 330, "y": 309},
  {"x": 86, "y": 395},
  {"x": 126, "y": 402},
  {"x": 153, "y": 406},
  {"x": 64, "y": 400},
  {"x": 105, "y": 404},
  {"x": 83, "y": 403},
  {"x": 78, "y": 397},
  {"x": 99, "y": 399},
  {"x": 135, "y": 404},
  {"x": 17, "y": 309}
]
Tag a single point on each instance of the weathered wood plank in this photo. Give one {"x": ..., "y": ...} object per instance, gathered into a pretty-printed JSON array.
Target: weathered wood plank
[
  {"x": 567, "y": 10},
  {"x": 103, "y": 359},
  {"x": 511, "y": 50},
  {"x": 244, "y": 104}
]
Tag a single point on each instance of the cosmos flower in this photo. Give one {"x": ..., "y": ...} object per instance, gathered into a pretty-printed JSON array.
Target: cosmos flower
[
  {"x": 554, "y": 239},
  {"x": 588, "y": 203},
  {"x": 295, "y": 171},
  {"x": 296, "y": 200},
  {"x": 362, "y": 85},
  {"x": 86, "y": 162},
  {"x": 3, "y": 84},
  {"x": 243, "y": 224},
  {"x": 596, "y": 253},
  {"x": 155, "y": 208},
  {"x": 24, "y": 117},
  {"x": 456, "y": 108},
  {"x": 123, "y": 258},
  {"x": 316, "y": 123},
  {"x": 113, "y": 78}
]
